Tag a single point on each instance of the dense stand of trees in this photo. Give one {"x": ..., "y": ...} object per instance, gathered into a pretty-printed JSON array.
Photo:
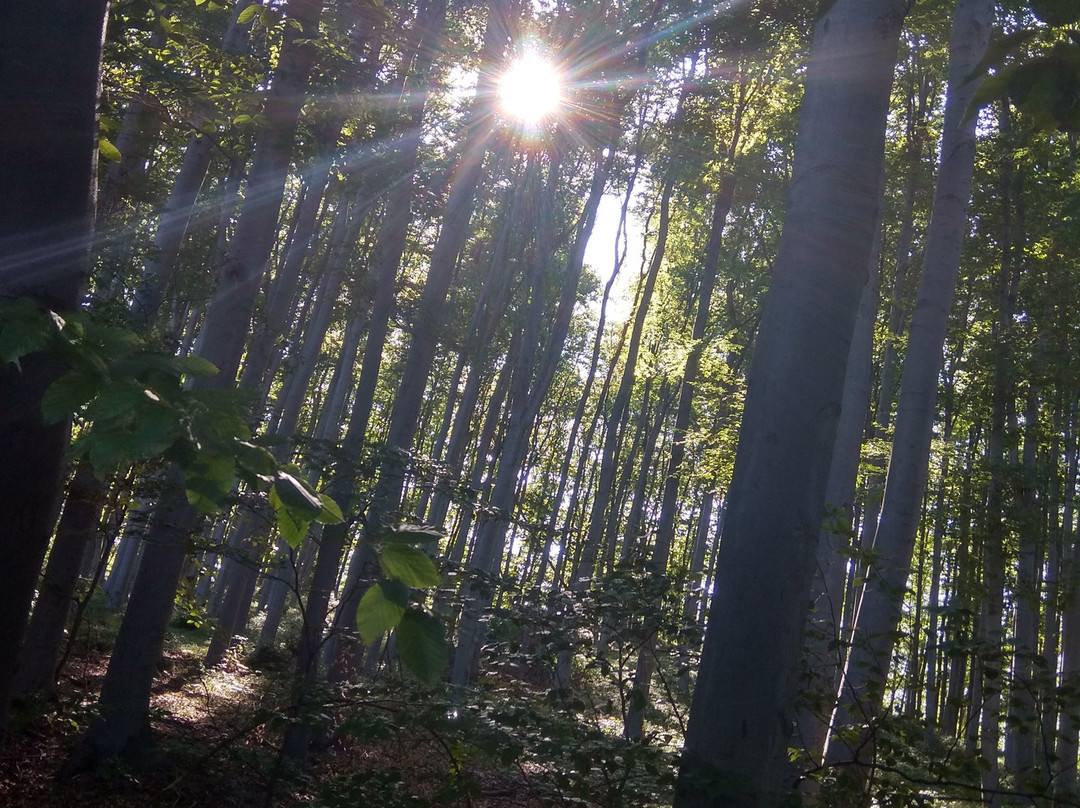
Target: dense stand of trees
[{"x": 807, "y": 447}]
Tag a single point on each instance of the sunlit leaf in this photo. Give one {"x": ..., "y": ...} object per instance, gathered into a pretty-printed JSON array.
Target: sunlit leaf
[
  {"x": 330, "y": 513},
  {"x": 408, "y": 564},
  {"x": 380, "y": 609},
  {"x": 109, "y": 151}
]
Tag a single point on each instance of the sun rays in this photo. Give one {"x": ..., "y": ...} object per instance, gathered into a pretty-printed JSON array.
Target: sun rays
[{"x": 531, "y": 89}]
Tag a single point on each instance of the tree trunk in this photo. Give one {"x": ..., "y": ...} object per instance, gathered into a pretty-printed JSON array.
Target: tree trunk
[
  {"x": 669, "y": 505},
  {"x": 79, "y": 522},
  {"x": 880, "y": 609},
  {"x": 49, "y": 81},
  {"x": 739, "y": 725},
  {"x": 824, "y": 650},
  {"x": 176, "y": 216},
  {"x": 526, "y": 405}
]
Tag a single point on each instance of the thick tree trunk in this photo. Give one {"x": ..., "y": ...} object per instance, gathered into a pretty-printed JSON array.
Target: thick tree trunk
[
  {"x": 880, "y": 610},
  {"x": 49, "y": 79},
  {"x": 824, "y": 650},
  {"x": 739, "y": 724}
]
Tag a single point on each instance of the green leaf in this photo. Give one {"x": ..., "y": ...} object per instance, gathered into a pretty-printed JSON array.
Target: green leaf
[
  {"x": 254, "y": 459},
  {"x": 415, "y": 534},
  {"x": 248, "y": 14},
  {"x": 421, "y": 644},
  {"x": 109, "y": 151},
  {"x": 66, "y": 396},
  {"x": 195, "y": 366},
  {"x": 409, "y": 565},
  {"x": 155, "y": 428},
  {"x": 116, "y": 399},
  {"x": 296, "y": 496},
  {"x": 292, "y": 528},
  {"x": 209, "y": 481},
  {"x": 380, "y": 609},
  {"x": 25, "y": 328},
  {"x": 331, "y": 513}
]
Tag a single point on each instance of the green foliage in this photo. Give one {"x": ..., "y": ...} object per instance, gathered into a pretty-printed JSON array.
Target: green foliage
[
  {"x": 1041, "y": 78},
  {"x": 381, "y": 609},
  {"x": 389, "y": 604},
  {"x": 132, "y": 405}
]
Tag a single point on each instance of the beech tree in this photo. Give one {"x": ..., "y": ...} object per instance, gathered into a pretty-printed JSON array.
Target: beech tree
[
  {"x": 738, "y": 724},
  {"x": 49, "y": 81}
]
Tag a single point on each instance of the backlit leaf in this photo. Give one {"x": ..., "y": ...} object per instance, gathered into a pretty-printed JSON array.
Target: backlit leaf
[
  {"x": 421, "y": 644},
  {"x": 408, "y": 564},
  {"x": 380, "y": 609}
]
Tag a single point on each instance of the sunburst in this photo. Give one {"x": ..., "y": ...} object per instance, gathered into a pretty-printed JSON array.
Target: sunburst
[{"x": 531, "y": 89}]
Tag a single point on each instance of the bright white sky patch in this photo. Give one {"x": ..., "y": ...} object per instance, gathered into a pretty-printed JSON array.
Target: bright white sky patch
[{"x": 531, "y": 89}]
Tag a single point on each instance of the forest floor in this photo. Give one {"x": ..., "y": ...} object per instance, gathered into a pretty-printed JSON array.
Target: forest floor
[{"x": 218, "y": 736}]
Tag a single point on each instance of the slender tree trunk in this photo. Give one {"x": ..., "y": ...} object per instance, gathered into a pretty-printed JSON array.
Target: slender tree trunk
[
  {"x": 1069, "y": 728},
  {"x": 880, "y": 610},
  {"x": 428, "y": 322},
  {"x": 180, "y": 207},
  {"x": 491, "y": 535},
  {"x": 824, "y": 650},
  {"x": 669, "y": 506},
  {"x": 79, "y": 522}
]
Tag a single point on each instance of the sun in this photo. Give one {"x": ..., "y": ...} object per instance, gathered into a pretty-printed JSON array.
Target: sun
[{"x": 531, "y": 89}]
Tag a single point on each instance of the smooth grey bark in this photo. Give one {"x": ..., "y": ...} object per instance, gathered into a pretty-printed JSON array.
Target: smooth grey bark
[
  {"x": 118, "y": 583},
  {"x": 739, "y": 725},
  {"x": 823, "y": 654},
  {"x": 1068, "y": 739},
  {"x": 695, "y": 588},
  {"x": 933, "y": 684},
  {"x": 919, "y": 102},
  {"x": 49, "y": 84},
  {"x": 880, "y": 609},
  {"x": 1022, "y": 724}
]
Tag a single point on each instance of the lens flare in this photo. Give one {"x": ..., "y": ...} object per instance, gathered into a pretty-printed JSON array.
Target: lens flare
[{"x": 530, "y": 91}]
